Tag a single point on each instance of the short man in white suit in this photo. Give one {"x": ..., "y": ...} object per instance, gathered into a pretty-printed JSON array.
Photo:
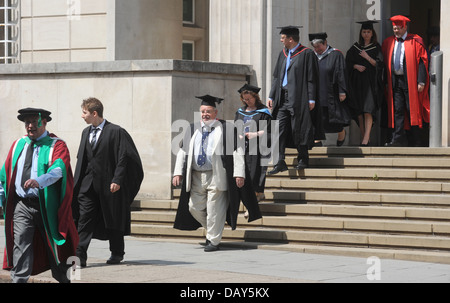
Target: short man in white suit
[{"x": 211, "y": 177}]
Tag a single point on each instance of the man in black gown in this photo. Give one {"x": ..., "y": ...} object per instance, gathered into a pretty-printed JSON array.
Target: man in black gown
[
  {"x": 293, "y": 99},
  {"x": 107, "y": 178}
]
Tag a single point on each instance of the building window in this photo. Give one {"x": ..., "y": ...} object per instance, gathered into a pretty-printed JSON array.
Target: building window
[
  {"x": 9, "y": 31},
  {"x": 188, "y": 50},
  {"x": 189, "y": 11}
]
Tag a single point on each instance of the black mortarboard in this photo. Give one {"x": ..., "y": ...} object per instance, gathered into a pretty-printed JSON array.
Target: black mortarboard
[
  {"x": 290, "y": 30},
  {"x": 250, "y": 88},
  {"x": 367, "y": 24},
  {"x": 318, "y": 36},
  {"x": 210, "y": 100},
  {"x": 26, "y": 112}
]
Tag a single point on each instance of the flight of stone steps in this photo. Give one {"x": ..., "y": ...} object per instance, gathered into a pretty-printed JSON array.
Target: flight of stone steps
[{"x": 386, "y": 202}]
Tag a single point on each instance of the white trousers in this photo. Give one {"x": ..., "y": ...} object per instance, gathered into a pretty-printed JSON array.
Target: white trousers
[{"x": 208, "y": 205}]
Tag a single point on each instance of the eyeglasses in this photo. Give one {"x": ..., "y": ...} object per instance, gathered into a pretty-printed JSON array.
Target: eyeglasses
[{"x": 32, "y": 122}]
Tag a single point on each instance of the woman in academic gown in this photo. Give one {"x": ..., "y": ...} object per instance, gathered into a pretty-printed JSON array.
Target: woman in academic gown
[
  {"x": 365, "y": 79},
  {"x": 255, "y": 119},
  {"x": 333, "y": 87}
]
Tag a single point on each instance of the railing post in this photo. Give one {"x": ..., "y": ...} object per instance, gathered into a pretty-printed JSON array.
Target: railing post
[{"x": 436, "y": 76}]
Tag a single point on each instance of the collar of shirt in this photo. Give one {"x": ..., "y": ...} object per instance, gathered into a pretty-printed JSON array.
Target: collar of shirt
[
  {"x": 45, "y": 134},
  {"x": 209, "y": 126},
  {"x": 101, "y": 126},
  {"x": 295, "y": 48}
]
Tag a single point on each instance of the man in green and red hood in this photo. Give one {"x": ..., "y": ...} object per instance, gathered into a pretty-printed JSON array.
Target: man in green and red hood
[{"x": 36, "y": 185}]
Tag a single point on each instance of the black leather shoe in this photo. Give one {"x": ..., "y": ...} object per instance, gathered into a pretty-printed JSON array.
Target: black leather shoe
[
  {"x": 279, "y": 168},
  {"x": 206, "y": 243},
  {"x": 302, "y": 165},
  {"x": 114, "y": 259},
  {"x": 211, "y": 248}
]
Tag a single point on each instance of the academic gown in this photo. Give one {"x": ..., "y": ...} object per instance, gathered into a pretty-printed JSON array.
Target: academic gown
[
  {"x": 254, "y": 149},
  {"x": 55, "y": 201},
  {"x": 417, "y": 62},
  {"x": 303, "y": 86},
  {"x": 333, "y": 81},
  {"x": 365, "y": 89},
  {"x": 186, "y": 222},
  {"x": 116, "y": 160}
]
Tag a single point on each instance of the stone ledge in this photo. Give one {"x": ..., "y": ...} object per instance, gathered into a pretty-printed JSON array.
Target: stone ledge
[{"x": 126, "y": 66}]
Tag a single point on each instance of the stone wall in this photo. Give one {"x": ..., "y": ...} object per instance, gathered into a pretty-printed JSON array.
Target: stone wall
[{"x": 144, "y": 97}]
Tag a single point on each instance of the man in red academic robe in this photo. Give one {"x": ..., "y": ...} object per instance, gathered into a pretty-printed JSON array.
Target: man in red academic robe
[
  {"x": 36, "y": 185},
  {"x": 408, "y": 101}
]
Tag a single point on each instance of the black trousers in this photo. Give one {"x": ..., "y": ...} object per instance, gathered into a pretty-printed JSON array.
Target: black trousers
[
  {"x": 286, "y": 121},
  {"x": 90, "y": 214},
  {"x": 401, "y": 108}
]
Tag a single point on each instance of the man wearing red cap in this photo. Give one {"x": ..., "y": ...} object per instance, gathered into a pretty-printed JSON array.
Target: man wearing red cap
[{"x": 408, "y": 101}]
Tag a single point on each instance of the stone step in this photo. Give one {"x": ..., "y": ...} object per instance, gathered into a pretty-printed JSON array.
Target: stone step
[
  {"x": 339, "y": 238},
  {"x": 409, "y": 213},
  {"x": 358, "y": 198},
  {"x": 388, "y": 162},
  {"x": 379, "y": 174},
  {"x": 311, "y": 222},
  {"x": 390, "y": 152},
  {"x": 359, "y": 185},
  {"x": 286, "y": 209},
  {"x": 353, "y": 198}
]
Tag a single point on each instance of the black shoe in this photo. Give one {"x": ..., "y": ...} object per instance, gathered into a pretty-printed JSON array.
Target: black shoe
[
  {"x": 340, "y": 143},
  {"x": 302, "y": 165},
  {"x": 279, "y": 168},
  {"x": 114, "y": 259},
  {"x": 206, "y": 243},
  {"x": 211, "y": 248}
]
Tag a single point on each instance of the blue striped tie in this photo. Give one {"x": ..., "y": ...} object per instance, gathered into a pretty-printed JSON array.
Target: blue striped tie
[
  {"x": 201, "y": 160},
  {"x": 398, "y": 54}
]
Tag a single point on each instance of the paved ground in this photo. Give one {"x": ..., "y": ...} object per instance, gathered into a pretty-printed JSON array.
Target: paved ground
[{"x": 153, "y": 261}]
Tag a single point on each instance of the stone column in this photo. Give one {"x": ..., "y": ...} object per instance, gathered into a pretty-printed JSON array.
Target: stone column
[
  {"x": 245, "y": 32},
  {"x": 445, "y": 47}
]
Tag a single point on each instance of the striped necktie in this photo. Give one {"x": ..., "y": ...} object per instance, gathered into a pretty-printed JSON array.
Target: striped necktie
[
  {"x": 201, "y": 160},
  {"x": 94, "y": 137},
  {"x": 398, "y": 54},
  {"x": 26, "y": 174}
]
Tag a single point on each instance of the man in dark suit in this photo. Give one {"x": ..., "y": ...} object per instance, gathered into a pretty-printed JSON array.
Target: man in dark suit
[
  {"x": 108, "y": 176},
  {"x": 293, "y": 99}
]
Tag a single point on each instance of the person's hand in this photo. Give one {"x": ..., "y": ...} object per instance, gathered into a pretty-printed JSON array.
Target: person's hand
[
  {"x": 251, "y": 135},
  {"x": 176, "y": 181},
  {"x": 240, "y": 182},
  {"x": 115, "y": 187},
  {"x": 359, "y": 68},
  {"x": 30, "y": 184},
  {"x": 342, "y": 97},
  {"x": 421, "y": 88},
  {"x": 270, "y": 104}
]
